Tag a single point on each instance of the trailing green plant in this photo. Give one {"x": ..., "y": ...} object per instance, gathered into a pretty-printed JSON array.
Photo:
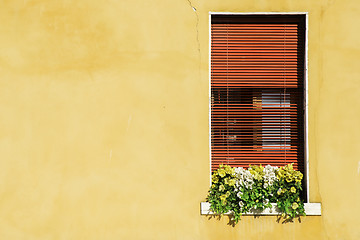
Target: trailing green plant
[
  {"x": 222, "y": 196},
  {"x": 238, "y": 190},
  {"x": 288, "y": 192}
]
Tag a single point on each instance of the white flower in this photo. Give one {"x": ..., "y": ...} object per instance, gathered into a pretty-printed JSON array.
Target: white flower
[{"x": 269, "y": 175}]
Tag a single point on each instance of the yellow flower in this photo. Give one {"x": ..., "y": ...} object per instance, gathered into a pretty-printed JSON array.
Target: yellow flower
[
  {"x": 215, "y": 179},
  {"x": 280, "y": 173},
  {"x": 221, "y": 172},
  {"x": 228, "y": 169},
  {"x": 295, "y": 205},
  {"x": 279, "y": 191},
  {"x": 223, "y": 198},
  {"x": 232, "y": 182},
  {"x": 298, "y": 176},
  {"x": 288, "y": 179},
  {"x": 221, "y": 188},
  {"x": 293, "y": 190},
  {"x": 289, "y": 167},
  {"x": 227, "y": 194},
  {"x": 257, "y": 176}
]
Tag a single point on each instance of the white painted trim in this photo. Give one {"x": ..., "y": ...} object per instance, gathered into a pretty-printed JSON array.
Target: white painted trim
[
  {"x": 210, "y": 98},
  {"x": 311, "y": 209},
  {"x": 258, "y": 13},
  {"x": 306, "y": 122}
]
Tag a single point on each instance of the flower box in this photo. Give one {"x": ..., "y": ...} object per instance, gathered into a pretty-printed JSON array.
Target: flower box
[{"x": 311, "y": 209}]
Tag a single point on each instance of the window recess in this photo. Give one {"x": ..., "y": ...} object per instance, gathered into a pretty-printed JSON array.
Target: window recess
[{"x": 257, "y": 90}]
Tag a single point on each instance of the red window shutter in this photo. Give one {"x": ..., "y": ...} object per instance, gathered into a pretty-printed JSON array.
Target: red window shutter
[{"x": 257, "y": 90}]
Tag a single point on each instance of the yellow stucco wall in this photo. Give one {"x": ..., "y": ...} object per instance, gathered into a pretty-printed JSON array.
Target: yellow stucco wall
[{"x": 104, "y": 120}]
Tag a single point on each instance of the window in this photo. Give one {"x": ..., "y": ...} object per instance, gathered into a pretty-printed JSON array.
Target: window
[{"x": 257, "y": 90}]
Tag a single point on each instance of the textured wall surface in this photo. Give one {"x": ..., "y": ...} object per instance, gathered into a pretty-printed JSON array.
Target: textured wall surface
[{"x": 104, "y": 127}]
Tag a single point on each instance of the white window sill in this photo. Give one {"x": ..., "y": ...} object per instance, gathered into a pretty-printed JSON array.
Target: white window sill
[{"x": 311, "y": 209}]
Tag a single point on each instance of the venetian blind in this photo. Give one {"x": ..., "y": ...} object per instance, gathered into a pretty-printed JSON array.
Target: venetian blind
[{"x": 257, "y": 90}]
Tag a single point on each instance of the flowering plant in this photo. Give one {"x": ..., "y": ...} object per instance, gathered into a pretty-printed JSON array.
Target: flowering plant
[
  {"x": 222, "y": 195},
  {"x": 239, "y": 191}
]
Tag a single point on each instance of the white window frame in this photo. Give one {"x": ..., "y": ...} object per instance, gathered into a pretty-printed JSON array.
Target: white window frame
[{"x": 306, "y": 95}]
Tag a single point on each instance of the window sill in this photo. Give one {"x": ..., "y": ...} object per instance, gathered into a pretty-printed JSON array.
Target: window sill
[{"x": 311, "y": 209}]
